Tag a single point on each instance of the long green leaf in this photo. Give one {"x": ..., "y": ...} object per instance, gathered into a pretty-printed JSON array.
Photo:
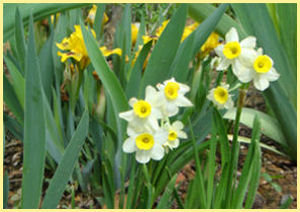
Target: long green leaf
[
  {"x": 164, "y": 52},
  {"x": 136, "y": 73},
  {"x": 5, "y": 189},
  {"x": 287, "y": 21},
  {"x": 20, "y": 40},
  {"x": 47, "y": 66},
  {"x": 249, "y": 167},
  {"x": 67, "y": 164},
  {"x": 18, "y": 81},
  {"x": 34, "y": 129},
  {"x": 165, "y": 199},
  {"x": 200, "y": 11},
  {"x": 11, "y": 100},
  {"x": 113, "y": 89},
  {"x": 270, "y": 126},
  {"x": 39, "y": 12}
]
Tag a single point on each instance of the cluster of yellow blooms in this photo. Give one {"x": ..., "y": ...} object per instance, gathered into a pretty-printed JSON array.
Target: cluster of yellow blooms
[
  {"x": 211, "y": 43},
  {"x": 247, "y": 64},
  {"x": 147, "y": 138}
]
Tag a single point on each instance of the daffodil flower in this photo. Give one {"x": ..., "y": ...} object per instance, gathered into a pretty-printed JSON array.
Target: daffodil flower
[
  {"x": 220, "y": 97},
  {"x": 144, "y": 115},
  {"x": 134, "y": 32},
  {"x": 235, "y": 53},
  {"x": 75, "y": 48},
  {"x": 261, "y": 71},
  {"x": 146, "y": 145},
  {"x": 172, "y": 93},
  {"x": 92, "y": 14},
  {"x": 211, "y": 43},
  {"x": 174, "y": 133}
]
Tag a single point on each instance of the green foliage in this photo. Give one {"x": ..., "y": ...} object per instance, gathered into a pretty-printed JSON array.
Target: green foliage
[{"x": 68, "y": 116}]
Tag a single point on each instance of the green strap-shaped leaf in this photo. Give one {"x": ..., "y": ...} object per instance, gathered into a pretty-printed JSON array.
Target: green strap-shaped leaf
[
  {"x": 20, "y": 40},
  {"x": 164, "y": 202},
  {"x": 39, "y": 11},
  {"x": 270, "y": 126},
  {"x": 113, "y": 89},
  {"x": 67, "y": 164},
  {"x": 136, "y": 73},
  {"x": 287, "y": 22},
  {"x": 11, "y": 100},
  {"x": 193, "y": 43},
  {"x": 34, "y": 129},
  {"x": 164, "y": 52},
  {"x": 18, "y": 81},
  {"x": 199, "y": 12}
]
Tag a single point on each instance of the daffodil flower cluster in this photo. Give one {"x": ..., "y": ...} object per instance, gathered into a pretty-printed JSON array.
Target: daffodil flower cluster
[
  {"x": 151, "y": 134},
  {"x": 248, "y": 64}
]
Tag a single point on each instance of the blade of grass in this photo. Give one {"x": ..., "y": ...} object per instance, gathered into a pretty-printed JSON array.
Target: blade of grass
[
  {"x": 67, "y": 164},
  {"x": 34, "y": 129}
]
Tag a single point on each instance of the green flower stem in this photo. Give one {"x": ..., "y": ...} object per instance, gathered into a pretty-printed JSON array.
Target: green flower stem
[
  {"x": 235, "y": 145},
  {"x": 149, "y": 186}
]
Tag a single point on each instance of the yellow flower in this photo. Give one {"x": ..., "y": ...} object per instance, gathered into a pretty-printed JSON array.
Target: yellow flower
[
  {"x": 92, "y": 14},
  {"x": 75, "y": 47},
  {"x": 220, "y": 97},
  {"x": 134, "y": 32},
  {"x": 188, "y": 30},
  {"x": 211, "y": 43}
]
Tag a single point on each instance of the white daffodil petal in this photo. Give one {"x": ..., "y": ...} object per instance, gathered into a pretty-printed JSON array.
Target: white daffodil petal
[
  {"x": 142, "y": 156},
  {"x": 229, "y": 104},
  {"x": 129, "y": 145},
  {"x": 128, "y": 115},
  {"x": 260, "y": 83},
  {"x": 172, "y": 109},
  {"x": 248, "y": 57},
  {"x": 182, "y": 101},
  {"x": 157, "y": 152},
  {"x": 219, "y": 50},
  {"x": 243, "y": 73},
  {"x": 223, "y": 65},
  {"x": 150, "y": 94},
  {"x": 132, "y": 101},
  {"x": 177, "y": 125},
  {"x": 183, "y": 88},
  {"x": 161, "y": 136},
  {"x": 175, "y": 143},
  {"x": 272, "y": 75},
  {"x": 182, "y": 134},
  {"x": 249, "y": 42},
  {"x": 232, "y": 35}
]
